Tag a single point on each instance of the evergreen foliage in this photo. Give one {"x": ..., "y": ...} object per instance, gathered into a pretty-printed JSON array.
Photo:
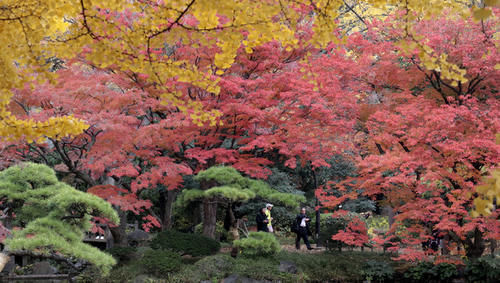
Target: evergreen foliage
[
  {"x": 232, "y": 186},
  {"x": 378, "y": 271},
  {"x": 122, "y": 254},
  {"x": 185, "y": 243},
  {"x": 258, "y": 244},
  {"x": 483, "y": 269},
  {"x": 223, "y": 175},
  {"x": 329, "y": 226},
  {"x": 161, "y": 262},
  {"x": 282, "y": 216},
  {"x": 428, "y": 271},
  {"x": 53, "y": 216}
]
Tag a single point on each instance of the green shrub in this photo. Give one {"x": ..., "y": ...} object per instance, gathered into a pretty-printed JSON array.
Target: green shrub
[
  {"x": 220, "y": 232},
  {"x": 89, "y": 275},
  {"x": 122, "y": 254},
  {"x": 262, "y": 269},
  {"x": 161, "y": 262},
  {"x": 377, "y": 271},
  {"x": 216, "y": 268},
  {"x": 427, "y": 271},
  {"x": 185, "y": 243},
  {"x": 217, "y": 265},
  {"x": 258, "y": 244},
  {"x": 121, "y": 273},
  {"x": 483, "y": 269},
  {"x": 334, "y": 266},
  {"x": 329, "y": 226}
]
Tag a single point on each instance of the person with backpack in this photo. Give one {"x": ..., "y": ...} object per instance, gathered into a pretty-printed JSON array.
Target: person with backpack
[{"x": 301, "y": 227}]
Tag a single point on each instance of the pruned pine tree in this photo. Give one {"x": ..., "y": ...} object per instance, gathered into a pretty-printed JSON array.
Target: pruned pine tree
[
  {"x": 222, "y": 185},
  {"x": 49, "y": 218}
]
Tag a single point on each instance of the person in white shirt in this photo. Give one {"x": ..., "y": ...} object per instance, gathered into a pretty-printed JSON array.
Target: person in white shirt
[{"x": 302, "y": 224}]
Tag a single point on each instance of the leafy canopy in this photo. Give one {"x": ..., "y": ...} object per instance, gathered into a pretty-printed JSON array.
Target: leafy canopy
[{"x": 139, "y": 36}]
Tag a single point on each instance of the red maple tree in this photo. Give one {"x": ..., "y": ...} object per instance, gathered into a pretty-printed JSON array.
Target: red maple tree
[
  {"x": 424, "y": 141},
  {"x": 272, "y": 111}
]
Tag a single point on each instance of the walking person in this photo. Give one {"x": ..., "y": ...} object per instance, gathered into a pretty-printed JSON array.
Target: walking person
[
  {"x": 262, "y": 221},
  {"x": 269, "y": 218},
  {"x": 302, "y": 229}
]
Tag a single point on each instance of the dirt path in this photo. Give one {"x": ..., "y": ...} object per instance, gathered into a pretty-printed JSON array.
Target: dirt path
[
  {"x": 288, "y": 248},
  {"x": 303, "y": 249}
]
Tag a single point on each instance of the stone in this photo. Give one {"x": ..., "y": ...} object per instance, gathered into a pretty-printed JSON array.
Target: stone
[
  {"x": 43, "y": 267},
  {"x": 231, "y": 279},
  {"x": 10, "y": 264},
  {"x": 234, "y": 278},
  {"x": 288, "y": 267},
  {"x": 137, "y": 237},
  {"x": 141, "y": 278}
]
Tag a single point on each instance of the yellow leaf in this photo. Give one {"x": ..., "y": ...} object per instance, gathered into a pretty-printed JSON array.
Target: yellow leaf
[
  {"x": 482, "y": 13},
  {"x": 492, "y": 3}
]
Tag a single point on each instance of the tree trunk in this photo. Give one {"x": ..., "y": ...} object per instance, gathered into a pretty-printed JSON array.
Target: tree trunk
[
  {"x": 209, "y": 217},
  {"x": 120, "y": 232},
  {"x": 230, "y": 219},
  {"x": 389, "y": 212},
  {"x": 474, "y": 247},
  {"x": 445, "y": 250},
  {"x": 493, "y": 246},
  {"x": 166, "y": 204}
]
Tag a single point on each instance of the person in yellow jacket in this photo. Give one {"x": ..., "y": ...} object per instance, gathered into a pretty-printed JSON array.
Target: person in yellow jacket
[{"x": 269, "y": 218}]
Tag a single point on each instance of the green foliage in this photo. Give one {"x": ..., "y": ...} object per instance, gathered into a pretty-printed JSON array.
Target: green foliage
[
  {"x": 220, "y": 232},
  {"x": 262, "y": 268},
  {"x": 217, "y": 267},
  {"x": 282, "y": 182},
  {"x": 185, "y": 243},
  {"x": 231, "y": 186},
  {"x": 317, "y": 267},
  {"x": 89, "y": 275},
  {"x": 379, "y": 271},
  {"x": 283, "y": 216},
  {"x": 161, "y": 262},
  {"x": 125, "y": 272},
  {"x": 258, "y": 244},
  {"x": 428, "y": 271},
  {"x": 231, "y": 193},
  {"x": 122, "y": 254},
  {"x": 222, "y": 175},
  {"x": 330, "y": 226},
  {"x": 359, "y": 205},
  {"x": 334, "y": 266},
  {"x": 53, "y": 215},
  {"x": 483, "y": 269},
  {"x": 187, "y": 196},
  {"x": 339, "y": 168}
]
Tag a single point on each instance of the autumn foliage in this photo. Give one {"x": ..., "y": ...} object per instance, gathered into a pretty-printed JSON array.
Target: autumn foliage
[
  {"x": 425, "y": 142},
  {"x": 129, "y": 101}
]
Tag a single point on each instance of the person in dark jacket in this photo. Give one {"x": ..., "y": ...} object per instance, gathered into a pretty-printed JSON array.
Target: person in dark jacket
[
  {"x": 302, "y": 224},
  {"x": 262, "y": 220}
]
